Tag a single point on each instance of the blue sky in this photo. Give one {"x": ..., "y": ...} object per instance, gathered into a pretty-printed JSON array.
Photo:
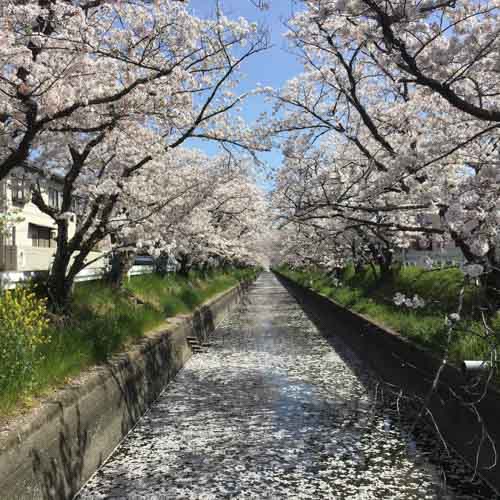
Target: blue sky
[{"x": 270, "y": 68}]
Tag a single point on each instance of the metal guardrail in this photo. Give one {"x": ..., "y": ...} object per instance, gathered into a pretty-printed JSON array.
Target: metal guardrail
[{"x": 440, "y": 258}]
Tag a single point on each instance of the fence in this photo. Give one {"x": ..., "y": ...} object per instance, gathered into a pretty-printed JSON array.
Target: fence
[
  {"x": 10, "y": 279},
  {"x": 440, "y": 258}
]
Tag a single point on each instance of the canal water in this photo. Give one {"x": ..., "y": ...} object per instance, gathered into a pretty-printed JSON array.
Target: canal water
[{"x": 273, "y": 411}]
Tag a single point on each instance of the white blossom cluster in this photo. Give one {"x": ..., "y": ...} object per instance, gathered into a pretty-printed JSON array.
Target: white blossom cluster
[
  {"x": 7, "y": 221},
  {"x": 473, "y": 270},
  {"x": 401, "y": 299}
]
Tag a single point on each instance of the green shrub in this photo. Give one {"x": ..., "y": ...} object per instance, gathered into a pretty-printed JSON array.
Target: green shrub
[
  {"x": 106, "y": 335},
  {"x": 190, "y": 298}
]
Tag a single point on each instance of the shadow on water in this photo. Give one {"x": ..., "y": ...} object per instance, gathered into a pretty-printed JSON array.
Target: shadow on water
[
  {"x": 263, "y": 433},
  {"x": 274, "y": 410}
]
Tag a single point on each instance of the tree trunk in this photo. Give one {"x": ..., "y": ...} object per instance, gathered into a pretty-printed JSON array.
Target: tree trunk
[
  {"x": 358, "y": 266},
  {"x": 184, "y": 265},
  {"x": 59, "y": 285},
  {"x": 205, "y": 269},
  {"x": 121, "y": 263},
  {"x": 161, "y": 264},
  {"x": 492, "y": 286},
  {"x": 386, "y": 269},
  {"x": 492, "y": 280},
  {"x": 384, "y": 258}
]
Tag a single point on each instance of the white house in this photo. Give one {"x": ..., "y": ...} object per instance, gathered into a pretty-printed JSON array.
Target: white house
[{"x": 30, "y": 244}]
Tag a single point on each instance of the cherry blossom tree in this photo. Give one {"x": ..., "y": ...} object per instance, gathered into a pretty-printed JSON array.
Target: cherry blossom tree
[
  {"x": 335, "y": 194},
  {"x": 227, "y": 229},
  {"x": 208, "y": 209},
  {"x": 412, "y": 109},
  {"x": 159, "y": 198},
  {"x": 97, "y": 93}
]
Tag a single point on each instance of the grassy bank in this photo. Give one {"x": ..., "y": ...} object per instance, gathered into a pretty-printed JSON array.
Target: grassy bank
[
  {"x": 364, "y": 293},
  {"x": 104, "y": 322}
]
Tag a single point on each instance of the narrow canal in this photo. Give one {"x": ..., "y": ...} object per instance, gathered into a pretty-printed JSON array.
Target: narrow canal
[{"x": 274, "y": 411}]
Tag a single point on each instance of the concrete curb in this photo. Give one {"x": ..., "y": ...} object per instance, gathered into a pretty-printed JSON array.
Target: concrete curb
[
  {"x": 400, "y": 362},
  {"x": 51, "y": 453}
]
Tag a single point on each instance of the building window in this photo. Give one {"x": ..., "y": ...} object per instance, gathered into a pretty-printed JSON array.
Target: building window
[
  {"x": 18, "y": 191},
  {"x": 41, "y": 237},
  {"x": 54, "y": 198}
]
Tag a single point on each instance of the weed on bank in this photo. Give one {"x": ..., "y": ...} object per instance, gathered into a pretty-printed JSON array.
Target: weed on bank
[{"x": 365, "y": 293}]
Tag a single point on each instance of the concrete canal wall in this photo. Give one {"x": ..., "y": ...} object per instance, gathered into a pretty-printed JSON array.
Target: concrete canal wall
[
  {"x": 398, "y": 361},
  {"x": 52, "y": 452}
]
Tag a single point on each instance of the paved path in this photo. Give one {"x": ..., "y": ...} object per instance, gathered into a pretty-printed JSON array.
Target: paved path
[{"x": 272, "y": 411}]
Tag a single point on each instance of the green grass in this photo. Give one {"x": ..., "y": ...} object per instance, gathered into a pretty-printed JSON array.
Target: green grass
[
  {"x": 178, "y": 295},
  {"x": 104, "y": 321},
  {"x": 365, "y": 293}
]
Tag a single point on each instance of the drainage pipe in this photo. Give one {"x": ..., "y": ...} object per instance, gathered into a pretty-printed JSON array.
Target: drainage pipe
[{"x": 473, "y": 367}]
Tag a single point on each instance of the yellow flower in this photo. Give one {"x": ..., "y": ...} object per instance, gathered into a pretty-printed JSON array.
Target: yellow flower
[{"x": 23, "y": 330}]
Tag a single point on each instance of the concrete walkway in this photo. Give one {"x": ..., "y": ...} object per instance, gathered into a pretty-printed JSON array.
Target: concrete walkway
[{"x": 271, "y": 411}]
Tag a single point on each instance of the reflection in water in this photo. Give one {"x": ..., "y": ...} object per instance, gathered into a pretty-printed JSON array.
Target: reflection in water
[{"x": 272, "y": 411}]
